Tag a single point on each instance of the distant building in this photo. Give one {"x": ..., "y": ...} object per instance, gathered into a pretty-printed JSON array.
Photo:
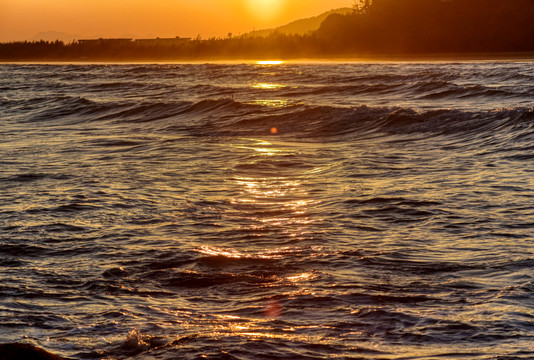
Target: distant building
[
  {"x": 162, "y": 41},
  {"x": 117, "y": 41},
  {"x": 88, "y": 41}
]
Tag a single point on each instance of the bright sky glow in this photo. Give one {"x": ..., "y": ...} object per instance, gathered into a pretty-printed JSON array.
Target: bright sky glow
[{"x": 23, "y": 19}]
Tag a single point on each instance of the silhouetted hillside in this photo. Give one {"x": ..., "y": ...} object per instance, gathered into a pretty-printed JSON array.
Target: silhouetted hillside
[
  {"x": 300, "y": 27},
  {"x": 433, "y": 26}
]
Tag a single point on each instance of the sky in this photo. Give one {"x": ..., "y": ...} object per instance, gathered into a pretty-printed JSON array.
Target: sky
[{"x": 23, "y": 19}]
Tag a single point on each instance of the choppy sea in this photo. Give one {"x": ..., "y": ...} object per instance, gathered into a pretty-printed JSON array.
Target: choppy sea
[{"x": 268, "y": 210}]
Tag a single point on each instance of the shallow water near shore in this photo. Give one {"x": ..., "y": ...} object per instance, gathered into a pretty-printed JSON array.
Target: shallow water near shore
[{"x": 248, "y": 211}]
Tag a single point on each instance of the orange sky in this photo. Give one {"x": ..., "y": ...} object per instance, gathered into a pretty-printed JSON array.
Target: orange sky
[{"x": 23, "y": 19}]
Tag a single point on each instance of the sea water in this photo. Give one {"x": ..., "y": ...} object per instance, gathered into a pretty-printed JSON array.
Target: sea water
[{"x": 268, "y": 211}]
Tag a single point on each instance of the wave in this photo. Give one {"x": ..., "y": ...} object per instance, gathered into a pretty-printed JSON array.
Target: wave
[
  {"x": 228, "y": 117},
  {"x": 429, "y": 91},
  {"x": 74, "y": 108},
  {"x": 342, "y": 122}
]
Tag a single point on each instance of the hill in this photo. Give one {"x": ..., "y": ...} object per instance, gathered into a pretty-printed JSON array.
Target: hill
[
  {"x": 299, "y": 27},
  {"x": 392, "y": 27}
]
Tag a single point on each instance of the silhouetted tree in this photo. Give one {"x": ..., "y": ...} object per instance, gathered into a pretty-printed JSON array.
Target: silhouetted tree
[{"x": 361, "y": 6}]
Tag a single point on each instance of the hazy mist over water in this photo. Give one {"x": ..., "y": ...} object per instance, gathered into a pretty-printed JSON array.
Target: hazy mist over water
[{"x": 247, "y": 211}]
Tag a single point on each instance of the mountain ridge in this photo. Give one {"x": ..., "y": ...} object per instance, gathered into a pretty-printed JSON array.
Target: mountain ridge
[{"x": 300, "y": 26}]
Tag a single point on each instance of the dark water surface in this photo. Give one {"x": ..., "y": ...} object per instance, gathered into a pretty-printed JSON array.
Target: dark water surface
[{"x": 149, "y": 212}]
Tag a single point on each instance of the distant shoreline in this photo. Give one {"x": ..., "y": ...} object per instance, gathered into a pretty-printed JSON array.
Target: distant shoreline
[
  {"x": 445, "y": 57},
  {"x": 377, "y": 31}
]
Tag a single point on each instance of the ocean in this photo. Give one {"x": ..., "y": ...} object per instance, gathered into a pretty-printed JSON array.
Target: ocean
[{"x": 268, "y": 210}]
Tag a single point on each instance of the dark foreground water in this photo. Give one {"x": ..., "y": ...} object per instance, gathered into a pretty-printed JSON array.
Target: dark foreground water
[{"x": 291, "y": 211}]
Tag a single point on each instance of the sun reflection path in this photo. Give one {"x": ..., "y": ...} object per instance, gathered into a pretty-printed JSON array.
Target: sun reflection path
[
  {"x": 270, "y": 87},
  {"x": 269, "y": 205},
  {"x": 271, "y": 201},
  {"x": 270, "y": 217}
]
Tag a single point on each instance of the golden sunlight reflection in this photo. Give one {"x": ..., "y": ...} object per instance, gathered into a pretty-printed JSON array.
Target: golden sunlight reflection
[
  {"x": 272, "y": 195},
  {"x": 270, "y": 62},
  {"x": 300, "y": 277},
  {"x": 269, "y": 199},
  {"x": 235, "y": 254},
  {"x": 215, "y": 251},
  {"x": 266, "y": 86},
  {"x": 276, "y": 103},
  {"x": 273, "y": 254},
  {"x": 223, "y": 325}
]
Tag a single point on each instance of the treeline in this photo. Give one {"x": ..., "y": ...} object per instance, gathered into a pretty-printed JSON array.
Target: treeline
[
  {"x": 377, "y": 28},
  {"x": 274, "y": 46}
]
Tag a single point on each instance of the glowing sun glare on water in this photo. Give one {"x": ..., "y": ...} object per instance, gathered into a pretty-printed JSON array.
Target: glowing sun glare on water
[{"x": 270, "y": 62}]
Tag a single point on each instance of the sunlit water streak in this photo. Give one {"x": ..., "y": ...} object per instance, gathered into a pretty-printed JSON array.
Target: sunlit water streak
[{"x": 268, "y": 210}]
